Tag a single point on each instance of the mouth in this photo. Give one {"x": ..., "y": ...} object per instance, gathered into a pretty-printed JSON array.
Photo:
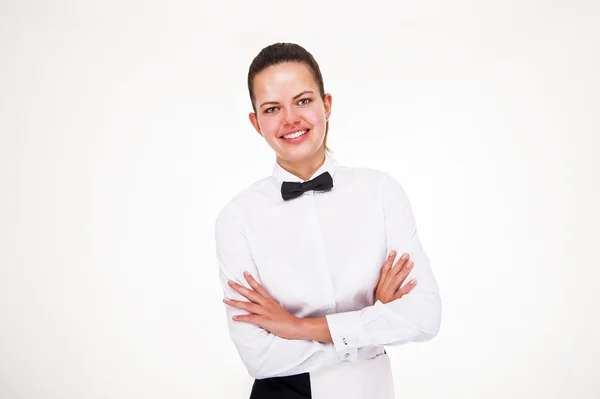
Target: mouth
[{"x": 294, "y": 135}]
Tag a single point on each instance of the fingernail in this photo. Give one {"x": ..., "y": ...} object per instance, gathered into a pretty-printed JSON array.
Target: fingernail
[
  {"x": 226, "y": 300},
  {"x": 393, "y": 253},
  {"x": 246, "y": 273},
  {"x": 410, "y": 265},
  {"x": 412, "y": 281},
  {"x": 404, "y": 256}
]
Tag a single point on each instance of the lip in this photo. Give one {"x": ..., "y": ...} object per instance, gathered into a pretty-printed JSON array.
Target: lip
[
  {"x": 292, "y": 131},
  {"x": 297, "y": 139}
]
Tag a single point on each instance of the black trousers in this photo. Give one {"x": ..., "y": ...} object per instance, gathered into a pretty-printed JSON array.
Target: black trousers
[{"x": 290, "y": 387}]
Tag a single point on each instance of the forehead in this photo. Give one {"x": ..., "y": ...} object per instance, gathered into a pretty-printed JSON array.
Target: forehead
[{"x": 284, "y": 80}]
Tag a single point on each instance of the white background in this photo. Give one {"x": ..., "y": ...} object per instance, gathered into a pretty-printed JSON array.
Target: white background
[{"x": 124, "y": 130}]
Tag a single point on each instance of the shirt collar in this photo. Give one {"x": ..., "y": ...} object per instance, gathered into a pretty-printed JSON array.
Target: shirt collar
[{"x": 282, "y": 175}]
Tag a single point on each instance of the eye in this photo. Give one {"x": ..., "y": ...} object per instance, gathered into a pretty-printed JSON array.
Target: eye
[
  {"x": 270, "y": 110},
  {"x": 304, "y": 101}
]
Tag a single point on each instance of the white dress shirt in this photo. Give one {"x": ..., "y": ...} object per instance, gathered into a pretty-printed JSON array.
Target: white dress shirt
[{"x": 321, "y": 255}]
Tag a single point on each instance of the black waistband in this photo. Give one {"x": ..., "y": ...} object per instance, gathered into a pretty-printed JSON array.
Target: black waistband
[{"x": 289, "y": 387}]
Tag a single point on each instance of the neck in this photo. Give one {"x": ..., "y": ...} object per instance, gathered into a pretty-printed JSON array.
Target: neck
[{"x": 304, "y": 168}]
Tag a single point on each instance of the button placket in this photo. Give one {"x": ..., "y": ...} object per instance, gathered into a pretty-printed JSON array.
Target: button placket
[{"x": 326, "y": 269}]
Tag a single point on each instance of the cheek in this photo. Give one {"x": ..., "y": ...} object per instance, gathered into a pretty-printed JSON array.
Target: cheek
[
  {"x": 269, "y": 126},
  {"x": 316, "y": 117}
]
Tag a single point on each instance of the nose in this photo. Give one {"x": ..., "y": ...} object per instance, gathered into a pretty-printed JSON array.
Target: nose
[{"x": 290, "y": 117}]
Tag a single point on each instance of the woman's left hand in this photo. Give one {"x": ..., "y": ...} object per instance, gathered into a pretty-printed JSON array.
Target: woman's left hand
[{"x": 264, "y": 311}]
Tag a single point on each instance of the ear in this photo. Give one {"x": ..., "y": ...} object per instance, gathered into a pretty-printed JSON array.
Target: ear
[
  {"x": 327, "y": 104},
  {"x": 254, "y": 121}
]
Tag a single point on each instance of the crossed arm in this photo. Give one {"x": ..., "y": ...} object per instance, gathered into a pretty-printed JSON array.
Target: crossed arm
[
  {"x": 272, "y": 342},
  {"x": 265, "y": 312}
]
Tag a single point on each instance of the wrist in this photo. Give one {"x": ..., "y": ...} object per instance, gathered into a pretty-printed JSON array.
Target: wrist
[
  {"x": 299, "y": 328},
  {"x": 314, "y": 329}
]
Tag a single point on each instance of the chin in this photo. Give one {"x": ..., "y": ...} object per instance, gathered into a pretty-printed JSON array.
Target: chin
[{"x": 300, "y": 153}]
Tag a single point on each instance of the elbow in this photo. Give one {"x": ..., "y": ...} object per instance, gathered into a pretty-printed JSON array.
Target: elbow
[
  {"x": 422, "y": 323},
  {"x": 256, "y": 369},
  {"x": 255, "y": 363},
  {"x": 430, "y": 326},
  {"x": 256, "y": 372},
  {"x": 259, "y": 360},
  {"x": 261, "y": 371},
  {"x": 429, "y": 334}
]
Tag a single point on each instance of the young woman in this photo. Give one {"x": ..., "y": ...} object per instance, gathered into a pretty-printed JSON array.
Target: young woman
[{"x": 321, "y": 264}]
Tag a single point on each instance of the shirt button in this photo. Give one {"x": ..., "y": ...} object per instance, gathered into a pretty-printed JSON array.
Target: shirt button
[
  {"x": 344, "y": 341},
  {"x": 347, "y": 355}
]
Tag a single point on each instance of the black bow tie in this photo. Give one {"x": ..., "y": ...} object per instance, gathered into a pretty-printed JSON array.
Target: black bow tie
[{"x": 290, "y": 190}]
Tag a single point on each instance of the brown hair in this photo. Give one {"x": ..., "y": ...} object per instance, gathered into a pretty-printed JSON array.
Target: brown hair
[{"x": 279, "y": 53}]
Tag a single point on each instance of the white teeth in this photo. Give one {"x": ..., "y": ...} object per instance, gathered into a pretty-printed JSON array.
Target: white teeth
[{"x": 294, "y": 135}]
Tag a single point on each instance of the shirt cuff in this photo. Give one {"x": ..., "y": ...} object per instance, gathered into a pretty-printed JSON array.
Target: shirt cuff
[{"x": 346, "y": 330}]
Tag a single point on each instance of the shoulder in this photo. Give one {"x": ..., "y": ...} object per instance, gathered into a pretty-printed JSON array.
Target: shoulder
[
  {"x": 244, "y": 201},
  {"x": 380, "y": 182},
  {"x": 367, "y": 177}
]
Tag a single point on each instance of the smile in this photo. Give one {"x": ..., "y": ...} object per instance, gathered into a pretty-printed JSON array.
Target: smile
[{"x": 295, "y": 134}]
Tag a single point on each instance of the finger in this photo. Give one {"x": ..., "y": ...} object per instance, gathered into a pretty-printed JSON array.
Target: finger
[
  {"x": 401, "y": 276},
  {"x": 400, "y": 264},
  {"x": 406, "y": 289},
  {"x": 385, "y": 269},
  {"x": 245, "y": 292},
  {"x": 248, "y": 318},
  {"x": 243, "y": 305},
  {"x": 388, "y": 262},
  {"x": 389, "y": 283},
  {"x": 256, "y": 286}
]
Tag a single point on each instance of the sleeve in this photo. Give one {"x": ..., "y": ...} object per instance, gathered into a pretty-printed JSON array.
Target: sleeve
[
  {"x": 264, "y": 354},
  {"x": 414, "y": 317}
]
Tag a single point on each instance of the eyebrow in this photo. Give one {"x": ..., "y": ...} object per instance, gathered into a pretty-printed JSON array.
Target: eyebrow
[{"x": 295, "y": 97}]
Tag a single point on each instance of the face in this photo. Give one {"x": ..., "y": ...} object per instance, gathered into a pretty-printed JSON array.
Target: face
[{"x": 290, "y": 113}]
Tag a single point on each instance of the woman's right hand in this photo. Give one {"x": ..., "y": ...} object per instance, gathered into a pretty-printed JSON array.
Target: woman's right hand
[{"x": 391, "y": 278}]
